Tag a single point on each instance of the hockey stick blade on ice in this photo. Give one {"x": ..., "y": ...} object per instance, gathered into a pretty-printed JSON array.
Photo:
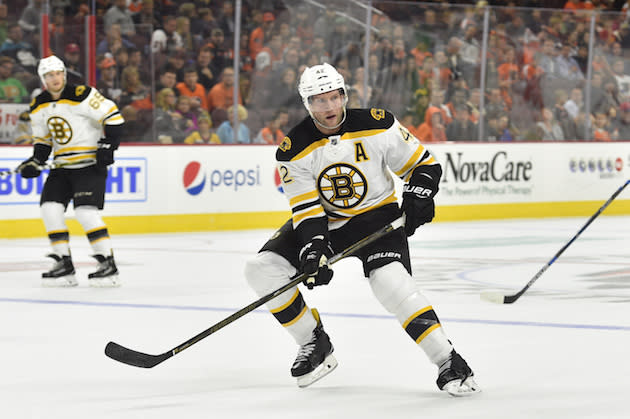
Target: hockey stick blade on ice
[
  {"x": 500, "y": 298},
  {"x": 143, "y": 360}
]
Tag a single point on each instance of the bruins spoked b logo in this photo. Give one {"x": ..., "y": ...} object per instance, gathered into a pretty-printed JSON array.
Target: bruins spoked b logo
[
  {"x": 60, "y": 129},
  {"x": 342, "y": 185}
]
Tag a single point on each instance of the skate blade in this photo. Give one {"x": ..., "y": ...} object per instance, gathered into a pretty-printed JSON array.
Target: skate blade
[
  {"x": 60, "y": 282},
  {"x": 462, "y": 389},
  {"x": 111, "y": 281},
  {"x": 325, "y": 368}
]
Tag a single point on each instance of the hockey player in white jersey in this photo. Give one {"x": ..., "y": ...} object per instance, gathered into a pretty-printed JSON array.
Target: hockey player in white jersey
[
  {"x": 81, "y": 128},
  {"x": 334, "y": 172}
]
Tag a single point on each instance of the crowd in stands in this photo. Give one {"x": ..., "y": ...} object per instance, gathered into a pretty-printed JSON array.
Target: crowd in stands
[{"x": 169, "y": 65}]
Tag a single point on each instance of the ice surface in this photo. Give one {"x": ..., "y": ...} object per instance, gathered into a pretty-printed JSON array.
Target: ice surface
[{"x": 561, "y": 351}]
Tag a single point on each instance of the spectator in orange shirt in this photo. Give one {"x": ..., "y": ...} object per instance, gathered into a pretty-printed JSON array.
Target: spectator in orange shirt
[
  {"x": 459, "y": 96},
  {"x": 134, "y": 92},
  {"x": 221, "y": 95},
  {"x": 433, "y": 129},
  {"x": 190, "y": 87},
  {"x": 508, "y": 70},
  {"x": 443, "y": 70},
  {"x": 272, "y": 132},
  {"x": 437, "y": 100},
  {"x": 600, "y": 131},
  {"x": 573, "y": 5},
  {"x": 261, "y": 34},
  {"x": 275, "y": 50}
]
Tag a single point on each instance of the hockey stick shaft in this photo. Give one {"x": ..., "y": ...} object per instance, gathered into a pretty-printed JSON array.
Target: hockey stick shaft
[
  {"x": 508, "y": 299},
  {"x": 143, "y": 360},
  {"x": 49, "y": 166}
]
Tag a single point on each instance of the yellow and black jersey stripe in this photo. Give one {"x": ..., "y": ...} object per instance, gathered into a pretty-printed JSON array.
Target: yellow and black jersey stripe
[
  {"x": 71, "y": 94},
  {"x": 305, "y": 137},
  {"x": 306, "y": 206},
  {"x": 421, "y": 157}
]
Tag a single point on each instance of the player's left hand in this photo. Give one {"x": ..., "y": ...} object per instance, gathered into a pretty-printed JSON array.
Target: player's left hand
[
  {"x": 104, "y": 154},
  {"x": 418, "y": 206},
  {"x": 30, "y": 168},
  {"x": 313, "y": 258}
]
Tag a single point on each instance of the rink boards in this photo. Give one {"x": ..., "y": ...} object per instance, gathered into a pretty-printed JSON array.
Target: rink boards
[{"x": 201, "y": 188}]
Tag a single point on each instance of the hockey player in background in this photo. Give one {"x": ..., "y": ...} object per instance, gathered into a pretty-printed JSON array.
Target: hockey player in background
[
  {"x": 69, "y": 121},
  {"x": 333, "y": 167}
]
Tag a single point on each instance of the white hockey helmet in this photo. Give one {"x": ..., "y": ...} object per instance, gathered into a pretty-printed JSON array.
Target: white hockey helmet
[
  {"x": 48, "y": 64},
  {"x": 319, "y": 79}
]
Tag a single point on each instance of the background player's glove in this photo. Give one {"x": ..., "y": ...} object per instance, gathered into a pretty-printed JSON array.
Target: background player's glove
[
  {"x": 313, "y": 259},
  {"x": 104, "y": 154},
  {"x": 30, "y": 168},
  {"x": 417, "y": 203}
]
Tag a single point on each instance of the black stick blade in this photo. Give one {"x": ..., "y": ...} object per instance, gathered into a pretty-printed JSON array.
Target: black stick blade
[{"x": 130, "y": 357}]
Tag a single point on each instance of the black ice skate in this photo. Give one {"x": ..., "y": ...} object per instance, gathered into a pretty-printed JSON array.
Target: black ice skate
[
  {"x": 314, "y": 359},
  {"x": 61, "y": 274},
  {"x": 456, "y": 377},
  {"x": 107, "y": 273}
]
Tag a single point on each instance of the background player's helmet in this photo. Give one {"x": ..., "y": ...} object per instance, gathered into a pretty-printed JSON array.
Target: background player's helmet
[
  {"x": 48, "y": 64},
  {"x": 319, "y": 79}
]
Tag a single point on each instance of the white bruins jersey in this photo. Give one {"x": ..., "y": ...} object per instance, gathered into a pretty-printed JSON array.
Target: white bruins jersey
[
  {"x": 347, "y": 174},
  {"x": 73, "y": 124}
]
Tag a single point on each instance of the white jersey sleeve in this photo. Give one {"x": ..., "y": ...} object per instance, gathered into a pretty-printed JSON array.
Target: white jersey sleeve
[{"x": 405, "y": 152}]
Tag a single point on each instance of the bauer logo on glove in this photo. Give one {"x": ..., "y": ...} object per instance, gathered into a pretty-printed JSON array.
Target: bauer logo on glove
[
  {"x": 417, "y": 203},
  {"x": 419, "y": 191}
]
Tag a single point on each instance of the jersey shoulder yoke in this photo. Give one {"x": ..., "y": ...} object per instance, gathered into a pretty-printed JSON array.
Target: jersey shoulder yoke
[
  {"x": 368, "y": 119},
  {"x": 298, "y": 139}
]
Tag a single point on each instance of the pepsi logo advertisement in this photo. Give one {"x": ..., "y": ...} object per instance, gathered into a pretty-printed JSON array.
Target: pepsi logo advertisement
[{"x": 198, "y": 178}]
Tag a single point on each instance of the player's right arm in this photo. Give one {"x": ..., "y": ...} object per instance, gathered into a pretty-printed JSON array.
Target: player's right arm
[
  {"x": 309, "y": 219},
  {"x": 42, "y": 142}
]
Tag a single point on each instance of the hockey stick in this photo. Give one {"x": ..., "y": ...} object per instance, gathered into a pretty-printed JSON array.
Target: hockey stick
[
  {"x": 50, "y": 166},
  {"x": 143, "y": 360},
  {"x": 499, "y": 298}
]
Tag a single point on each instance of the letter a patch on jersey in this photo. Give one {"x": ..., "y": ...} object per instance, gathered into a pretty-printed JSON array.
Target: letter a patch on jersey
[{"x": 359, "y": 152}]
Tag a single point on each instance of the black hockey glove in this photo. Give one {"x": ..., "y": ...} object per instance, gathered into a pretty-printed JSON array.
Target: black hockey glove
[
  {"x": 417, "y": 204},
  {"x": 104, "y": 154},
  {"x": 30, "y": 168},
  {"x": 313, "y": 259}
]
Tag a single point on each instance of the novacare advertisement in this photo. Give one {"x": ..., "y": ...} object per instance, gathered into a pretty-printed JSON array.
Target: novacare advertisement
[{"x": 524, "y": 173}]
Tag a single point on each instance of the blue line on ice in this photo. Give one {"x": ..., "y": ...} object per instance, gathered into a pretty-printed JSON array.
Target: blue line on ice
[{"x": 353, "y": 315}]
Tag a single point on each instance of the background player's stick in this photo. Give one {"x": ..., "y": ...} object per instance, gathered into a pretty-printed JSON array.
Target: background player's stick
[
  {"x": 499, "y": 298},
  {"x": 49, "y": 166},
  {"x": 143, "y": 360}
]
